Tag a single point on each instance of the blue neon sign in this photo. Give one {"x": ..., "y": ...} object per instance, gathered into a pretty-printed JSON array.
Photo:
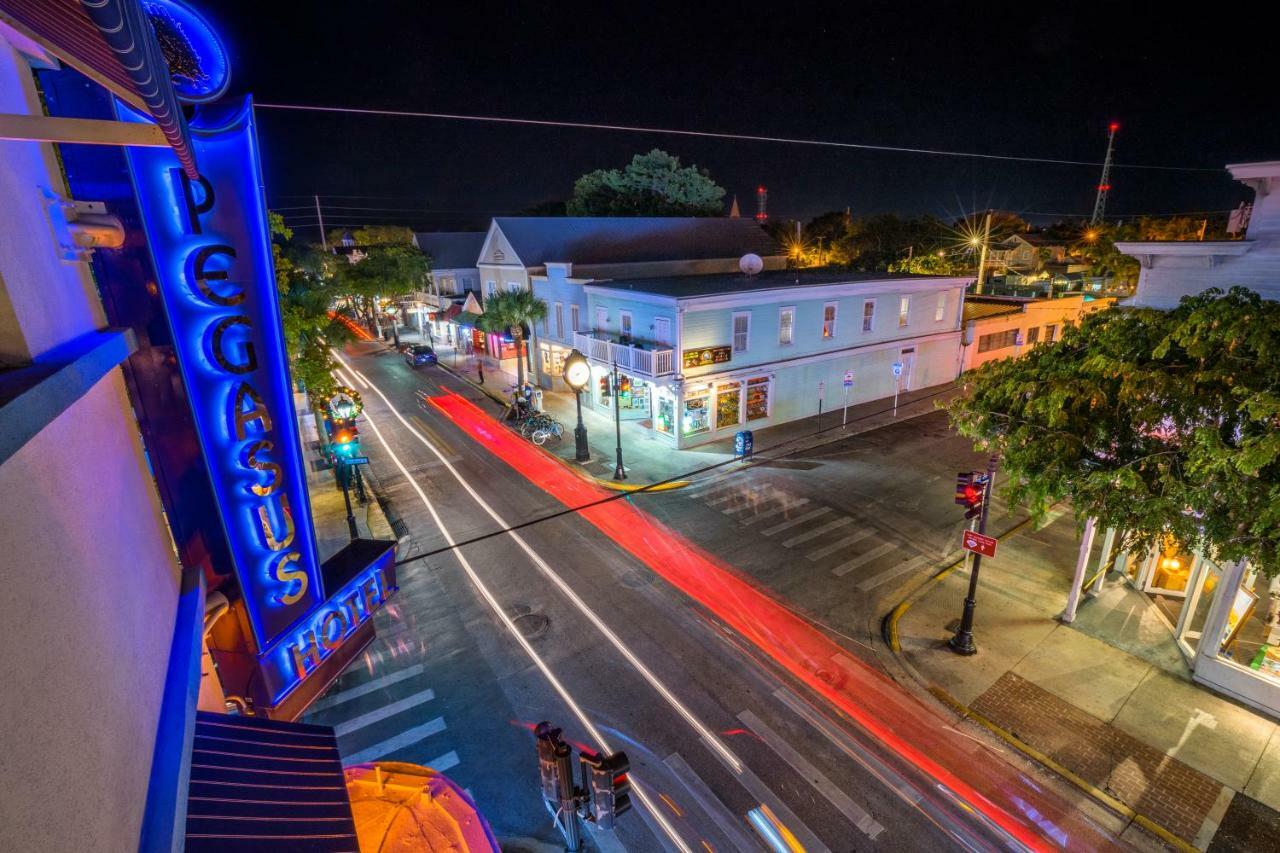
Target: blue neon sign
[{"x": 209, "y": 239}]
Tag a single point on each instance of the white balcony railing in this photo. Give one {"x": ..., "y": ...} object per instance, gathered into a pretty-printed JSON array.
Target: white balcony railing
[{"x": 653, "y": 362}]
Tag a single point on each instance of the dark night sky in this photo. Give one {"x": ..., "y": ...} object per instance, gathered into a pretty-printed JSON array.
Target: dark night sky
[{"x": 1038, "y": 80}]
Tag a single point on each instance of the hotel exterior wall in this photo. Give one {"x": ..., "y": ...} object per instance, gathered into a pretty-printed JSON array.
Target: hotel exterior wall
[{"x": 90, "y": 575}]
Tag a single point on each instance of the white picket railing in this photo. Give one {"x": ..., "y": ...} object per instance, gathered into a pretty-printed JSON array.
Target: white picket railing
[{"x": 642, "y": 362}]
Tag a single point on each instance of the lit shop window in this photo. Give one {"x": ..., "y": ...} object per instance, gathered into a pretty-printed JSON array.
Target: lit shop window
[
  {"x": 729, "y": 406},
  {"x": 829, "y": 320},
  {"x": 697, "y": 413},
  {"x": 757, "y": 398},
  {"x": 664, "y": 418},
  {"x": 1251, "y": 635}
]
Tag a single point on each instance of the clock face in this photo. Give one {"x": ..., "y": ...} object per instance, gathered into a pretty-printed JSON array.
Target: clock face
[{"x": 577, "y": 374}]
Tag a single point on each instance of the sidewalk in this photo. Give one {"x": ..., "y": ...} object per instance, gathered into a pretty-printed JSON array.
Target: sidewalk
[
  {"x": 1107, "y": 701},
  {"x": 648, "y": 458}
]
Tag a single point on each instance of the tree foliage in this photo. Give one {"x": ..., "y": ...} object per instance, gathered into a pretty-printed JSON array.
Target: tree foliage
[
  {"x": 653, "y": 184},
  {"x": 305, "y": 301},
  {"x": 1155, "y": 423},
  {"x": 373, "y": 235},
  {"x": 509, "y": 310}
]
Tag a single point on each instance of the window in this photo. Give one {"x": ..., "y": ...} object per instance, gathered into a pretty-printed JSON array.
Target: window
[
  {"x": 490, "y": 288},
  {"x": 560, "y": 320},
  {"x": 1033, "y": 336},
  {"x": 624, "y": 319},
  {"x": 741, "y": 332},
  {"x": 829, "y": 320},
  {"x": 904, "y": 309},
  {"x": 729, "y": 406},
  {"x": 602, "y": 318},
  {"x": 758, "y": 398},
  {"x": 998, "y": 340},
  {"x": 574, "y": 319},
  {"x": 786, "y": 326},
  {"x": 513, "y": 287},
  {"x": 940, "y": 310},
  {"x": 868, "y": 314},
  {"x": 1050, "y": 334},
  {"x": 697, "y": 414}
]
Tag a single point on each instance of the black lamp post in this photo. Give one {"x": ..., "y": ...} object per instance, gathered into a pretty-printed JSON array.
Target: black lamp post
[
  {"x": 619, "y": 473},
  {"x": 577, "y": 373},
  {"x": 962, "y": 643}
]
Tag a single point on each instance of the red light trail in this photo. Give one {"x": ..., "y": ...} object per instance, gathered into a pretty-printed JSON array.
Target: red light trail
[
  {"x": 1008, "y": 798},
  {"x": 352, "y": 325}
]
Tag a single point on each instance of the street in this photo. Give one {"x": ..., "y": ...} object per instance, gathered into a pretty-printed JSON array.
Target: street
[{"x": 558, "y": 621}]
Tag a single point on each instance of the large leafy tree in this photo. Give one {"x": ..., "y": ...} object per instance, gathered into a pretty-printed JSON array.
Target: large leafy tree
[
  {"x": 1155, "y": 423},
  {"x": 653, "y": 184},
  {"x": 385, "y": 272},
  {"x": 509, "y": 311},
  {"x": 305, "y": 302}
]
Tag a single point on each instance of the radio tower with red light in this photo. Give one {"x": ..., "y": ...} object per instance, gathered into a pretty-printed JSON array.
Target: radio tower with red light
[
  {"x": 1104, "y": 185},
  {"x": 762, "y": 202}
]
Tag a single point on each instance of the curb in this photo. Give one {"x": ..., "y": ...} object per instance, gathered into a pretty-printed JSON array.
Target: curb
[{"x": 889, "y": 631}]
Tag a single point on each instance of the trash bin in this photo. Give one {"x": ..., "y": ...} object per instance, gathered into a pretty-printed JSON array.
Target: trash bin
[{"x": 743, "y": 443}]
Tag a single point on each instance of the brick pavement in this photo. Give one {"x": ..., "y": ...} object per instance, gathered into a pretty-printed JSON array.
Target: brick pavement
[{"x": 1159, "y": 786}]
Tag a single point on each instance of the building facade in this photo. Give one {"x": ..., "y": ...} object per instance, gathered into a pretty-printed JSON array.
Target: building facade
[
  {"x": 996, "y": 328},
  {"x": 701, "y": 357}
]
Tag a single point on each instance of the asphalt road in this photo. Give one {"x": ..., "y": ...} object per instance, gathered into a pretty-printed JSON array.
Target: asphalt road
[{"x": 555, "y": 621}]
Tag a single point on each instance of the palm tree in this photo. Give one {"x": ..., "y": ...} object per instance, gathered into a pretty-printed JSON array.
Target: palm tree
[{"x": 511, "y": 312}]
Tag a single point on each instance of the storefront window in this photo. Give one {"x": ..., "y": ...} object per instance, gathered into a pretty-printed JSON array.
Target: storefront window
[
  {"x": 1172, "y": 568},
  {"x": 728, "y": 406},
  {"x": 697, "y": 414},
  {"x": 633, "y": 395},
  {"x": 757, "y": 398},
  {"x": 1200, "y": 600},
  {"x": 664, "y": 419},
  {"x": 605, "y": 385},
  {"x": 1251, "y": 635}
]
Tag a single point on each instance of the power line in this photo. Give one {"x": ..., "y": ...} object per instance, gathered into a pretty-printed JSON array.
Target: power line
[{"x": 716, "y": 135}]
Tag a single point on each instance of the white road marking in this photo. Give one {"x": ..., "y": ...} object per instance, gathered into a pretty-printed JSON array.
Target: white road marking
[
  {"x": 897, "y": 571},
  {"x": 856, "y": 814},
  {"x": 843, "y": 542},
  {"x": 448, "y": 761},
  {"x": 799, "y": 519},
  {"x": 793, "y": 504},
  {"x": 816, "y": 532},
  {"x": 408, "y": 737},
  {"x": 862, "y": 559},
  {"x": 640, "y": 790},
  {"x": 380, "y": 713},
  {"x": 365, "y": 689},
  {"x": 710, "y": 804}
]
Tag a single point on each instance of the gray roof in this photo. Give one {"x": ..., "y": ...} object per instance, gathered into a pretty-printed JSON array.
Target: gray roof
[
  {"x": 451, "y": 250},
  {"x": 684, "y": 286},
  {"x": 632, "y": 239}
]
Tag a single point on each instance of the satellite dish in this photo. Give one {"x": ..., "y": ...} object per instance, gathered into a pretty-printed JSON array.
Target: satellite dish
[{"x": 750, "y": 264}]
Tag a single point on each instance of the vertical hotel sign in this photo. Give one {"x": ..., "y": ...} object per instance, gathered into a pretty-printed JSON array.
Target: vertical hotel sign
[{"x": 209, "y": 239}]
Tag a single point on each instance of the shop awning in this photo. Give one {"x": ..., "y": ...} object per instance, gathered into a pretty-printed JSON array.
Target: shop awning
[{"x": 111, "y": 42}]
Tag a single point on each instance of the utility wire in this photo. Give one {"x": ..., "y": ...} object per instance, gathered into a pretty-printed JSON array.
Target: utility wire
[{"x": 716, "y": 135}]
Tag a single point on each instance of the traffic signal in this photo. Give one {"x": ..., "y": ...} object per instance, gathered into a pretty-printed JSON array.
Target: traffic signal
[
  {"x": 548, "y": 761},
  {"x": 609, "y": 785},
  {"x": 970, "y": 490},
  {"x": 345, "y": 437}
]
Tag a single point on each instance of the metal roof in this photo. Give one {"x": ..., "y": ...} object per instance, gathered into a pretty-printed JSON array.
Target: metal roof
[
  {"x": 451, "y": 250},
  {"x": 685, "y": 286},
  {"x": 981, "y": 309},
  {"x": 586, "y": 240}
]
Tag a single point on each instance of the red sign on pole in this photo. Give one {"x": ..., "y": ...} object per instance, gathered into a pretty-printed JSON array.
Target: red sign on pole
[{"x": 979, "y": 543}]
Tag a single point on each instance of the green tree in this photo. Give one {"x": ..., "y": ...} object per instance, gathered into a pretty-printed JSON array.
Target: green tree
[
  {"x": 305, "y": 304},
  {"x": 1155, "y": 423},
  {"x": 385, "y": 272},
  {"x": 938, "y": 262},
  {"x": 373, "y": 235},
  {"x": 653, "y": 184},
  {"x": 511, "y": 312}
]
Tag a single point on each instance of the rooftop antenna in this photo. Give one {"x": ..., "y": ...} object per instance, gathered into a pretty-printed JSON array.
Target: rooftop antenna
[
  {"x": 1104, "y": 185},
  {"x": 762, "y": 202}
]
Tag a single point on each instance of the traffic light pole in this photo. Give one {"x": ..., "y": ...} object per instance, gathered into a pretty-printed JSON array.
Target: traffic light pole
[
  {"x": 344, "y": 477},
  {"x": 962, "y": 643}
]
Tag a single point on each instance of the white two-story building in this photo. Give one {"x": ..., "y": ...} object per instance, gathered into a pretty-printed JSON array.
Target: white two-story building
[{"x": 702, "y": 356}]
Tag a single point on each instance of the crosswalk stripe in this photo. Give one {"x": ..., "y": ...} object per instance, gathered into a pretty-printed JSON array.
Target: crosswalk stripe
[
  {"x": 843, "y": 542},
  {"x": 816, "y": 532},
  {"x": 897, "y": 571},
  {"x": 799, "y": 519},
  {"x": 389, "y": 710},
  {"x": 831, "y": 792},
  {"x": 408, "y": 737},
  {"x": 448, "y": 761},
  {"x": 366, "y": 688},
  {"x": 798, "y": 502},
  {"x": 844, "y": 568},
  {"x": 746, "y": 505},
  {"x": 727, "y": 821}
]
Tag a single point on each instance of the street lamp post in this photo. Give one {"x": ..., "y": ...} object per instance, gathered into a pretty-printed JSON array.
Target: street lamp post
[
  {"x": 962, "y": 643},
  {"x": 619, "y": 473},
  {"x": 344, "y": 477},
  {"x": 577, "y": 372}
]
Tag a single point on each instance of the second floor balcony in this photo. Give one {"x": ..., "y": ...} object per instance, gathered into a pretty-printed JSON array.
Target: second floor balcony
[{"x": 640, "y": 358}]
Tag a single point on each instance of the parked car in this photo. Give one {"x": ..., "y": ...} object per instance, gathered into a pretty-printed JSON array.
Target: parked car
[{"x": 419, "y": 354}]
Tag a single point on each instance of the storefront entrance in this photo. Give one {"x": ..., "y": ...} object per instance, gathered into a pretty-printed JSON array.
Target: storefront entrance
[{"x": 634, "y": 396}]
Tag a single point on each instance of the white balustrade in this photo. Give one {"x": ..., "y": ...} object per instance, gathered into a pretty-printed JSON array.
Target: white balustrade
[{"x": 643, "y": 362}]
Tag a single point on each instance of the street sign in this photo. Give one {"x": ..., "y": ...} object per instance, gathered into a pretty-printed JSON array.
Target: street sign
[
  {"x": 357, "y": 460},
  {"x": 848, "y": 379},
  {"x": 897, "y": 368},
  {"x": 979, "y": 543},
  {"x": 822, "y": 387}
]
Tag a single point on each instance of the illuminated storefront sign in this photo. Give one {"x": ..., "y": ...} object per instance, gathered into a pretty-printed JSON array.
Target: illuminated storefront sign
[
  {"x": 301, "y": 650},
  {"x": 692, "y": 358},
  {"x": 209, "y": 239}
]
